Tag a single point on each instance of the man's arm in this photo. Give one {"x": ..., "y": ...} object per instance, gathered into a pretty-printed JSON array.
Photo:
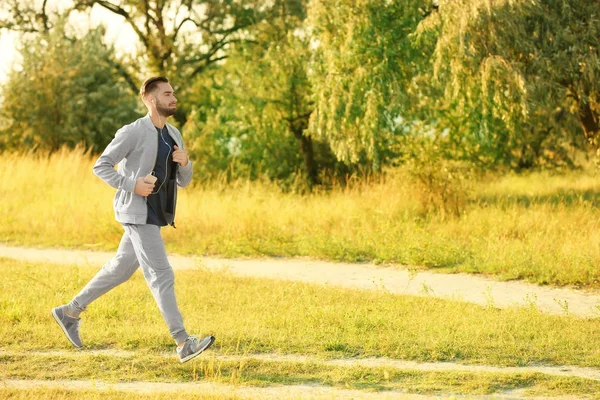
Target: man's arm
[
  {"x": 118, "y": 148},
  {"x": 185, "y": 170}
]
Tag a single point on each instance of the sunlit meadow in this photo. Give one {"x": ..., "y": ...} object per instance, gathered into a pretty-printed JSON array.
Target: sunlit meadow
[{"x": 539, "y": 227}]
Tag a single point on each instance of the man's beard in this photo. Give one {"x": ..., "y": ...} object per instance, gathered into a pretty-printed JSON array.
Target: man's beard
[{"x": 165, "y": 111}]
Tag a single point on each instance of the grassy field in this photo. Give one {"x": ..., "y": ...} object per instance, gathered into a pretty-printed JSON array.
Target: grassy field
[
  {"x": 252, "y": 373},
  {"x": 541, "y": 227},
  {"x": 256, "y": 316}
]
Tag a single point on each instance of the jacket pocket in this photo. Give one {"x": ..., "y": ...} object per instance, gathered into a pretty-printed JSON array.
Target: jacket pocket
[{"x": 122, "y": 198}]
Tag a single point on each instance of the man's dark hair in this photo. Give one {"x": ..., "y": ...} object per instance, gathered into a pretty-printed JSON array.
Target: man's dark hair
[{"x": 151, "y": 83}]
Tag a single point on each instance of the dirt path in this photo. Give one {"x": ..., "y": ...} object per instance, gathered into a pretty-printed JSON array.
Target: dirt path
[
  {"x": 371, "y": 362},
  {"x": 210, "y": 388},
  {"x": 246, "y": 392},
  {"x": 396, "y": 279}
]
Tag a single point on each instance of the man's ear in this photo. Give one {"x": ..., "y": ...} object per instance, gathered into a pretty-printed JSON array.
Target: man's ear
[{"x": 149, "y": 99}]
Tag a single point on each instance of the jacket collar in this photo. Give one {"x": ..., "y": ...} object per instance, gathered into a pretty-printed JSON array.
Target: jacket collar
[{"x": 148, "y": 124}]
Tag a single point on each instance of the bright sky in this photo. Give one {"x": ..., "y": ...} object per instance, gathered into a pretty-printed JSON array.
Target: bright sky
[
  {"x": 7, "y": 50},
  {"x": 118, "y": 32}
]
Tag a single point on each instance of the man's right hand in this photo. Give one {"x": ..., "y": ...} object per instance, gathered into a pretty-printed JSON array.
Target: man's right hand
[{"x": 142, "y": 188}]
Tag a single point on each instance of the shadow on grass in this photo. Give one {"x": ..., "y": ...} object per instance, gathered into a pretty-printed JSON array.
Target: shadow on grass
[{"x": 568, "y": 198}]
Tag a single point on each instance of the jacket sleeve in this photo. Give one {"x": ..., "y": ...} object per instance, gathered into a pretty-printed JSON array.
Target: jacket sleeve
[
  {"x": 184, "y": 174},
  {"x": 121, "y": 145}
]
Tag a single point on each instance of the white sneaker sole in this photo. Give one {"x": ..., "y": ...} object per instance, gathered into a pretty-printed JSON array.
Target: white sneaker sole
[
  {"x": 212, "y": 340},
  {"x": 57, "y": 319}
]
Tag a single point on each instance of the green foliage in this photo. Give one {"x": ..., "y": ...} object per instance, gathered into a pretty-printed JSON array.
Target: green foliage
[
  {"x": 363, "y": 62},
  {"x": 65, "y": 93},
  {"x": 184, "y": 39},
  {"x": 242, "y": 129},
  {"x": 252, "y": 118},
  {"x": 237, "y": 139},
  {"x": 515, "y": 77},
  {"x": 297, "y": 91}
]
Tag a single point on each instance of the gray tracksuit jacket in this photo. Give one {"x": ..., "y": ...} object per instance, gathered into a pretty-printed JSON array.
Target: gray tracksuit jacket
[{"x": 134, "y": 148}]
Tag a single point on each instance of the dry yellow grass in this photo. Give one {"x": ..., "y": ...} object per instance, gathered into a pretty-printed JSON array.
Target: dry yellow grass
[{"x": 540, "y": 227}]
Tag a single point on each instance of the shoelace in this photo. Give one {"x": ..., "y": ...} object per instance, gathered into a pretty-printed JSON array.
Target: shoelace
[{"x": 193, "y": 339}]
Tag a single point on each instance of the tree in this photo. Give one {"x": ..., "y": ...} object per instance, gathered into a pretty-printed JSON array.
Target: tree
[
  {"x": 182, "y": 38},
  {"x": 364, "y": 61},
  {"x": 179, "y": 39},
  {"x": 65, "y": 93},
  {"x": 262, "y": 102},
  {"x": 519, "y": 79},
  {"x": 25, "y": 17}
]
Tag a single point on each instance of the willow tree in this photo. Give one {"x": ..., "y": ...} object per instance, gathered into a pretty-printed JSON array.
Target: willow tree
[
  {"x": 519, "y": 78},
  {"x": 364, "y": 61}
]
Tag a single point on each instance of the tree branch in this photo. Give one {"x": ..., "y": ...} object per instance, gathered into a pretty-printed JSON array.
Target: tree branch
[
  {"x": 176, "y": 30},
  {"x": 44, "y": 17},
  {"x": 202, "y": 67},
  {"x": 148, "y": 17},
  {"x": 298, "y": 117},
  {"x": 119, "y": 11},
  {"x": 123, "y": 72}
]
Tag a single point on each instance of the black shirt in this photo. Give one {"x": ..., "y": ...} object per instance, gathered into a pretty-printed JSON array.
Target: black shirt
[{"x": 164, "y": 170}]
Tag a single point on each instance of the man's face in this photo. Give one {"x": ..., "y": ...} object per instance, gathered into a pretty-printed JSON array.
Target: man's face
[{"x": 165, "y": 101}]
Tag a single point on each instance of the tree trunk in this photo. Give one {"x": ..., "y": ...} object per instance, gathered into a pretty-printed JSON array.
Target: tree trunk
[
  {"x": 589, "y": 122},
  {"x": 307, "y": 151}
]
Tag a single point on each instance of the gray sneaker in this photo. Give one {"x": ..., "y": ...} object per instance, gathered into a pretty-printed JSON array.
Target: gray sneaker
[
  {"x": 69, "y": 325},
  {"x": 193, "y": 346}
]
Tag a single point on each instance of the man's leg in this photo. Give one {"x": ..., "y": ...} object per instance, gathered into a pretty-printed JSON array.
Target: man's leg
[
  {"x": 151, "y": 255},
  {"x": 113, "y": 273}
]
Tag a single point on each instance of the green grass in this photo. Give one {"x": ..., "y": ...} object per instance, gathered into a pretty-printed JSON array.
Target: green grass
[
  {"x": 265, "y": 316},
  {"x": 257, "y": 373},
  {"x": 253, "y": 316},
  {"x": 543, "y": 228}
]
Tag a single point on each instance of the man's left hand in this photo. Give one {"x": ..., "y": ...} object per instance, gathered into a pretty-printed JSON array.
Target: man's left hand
[{"x": 180, "y": 156}]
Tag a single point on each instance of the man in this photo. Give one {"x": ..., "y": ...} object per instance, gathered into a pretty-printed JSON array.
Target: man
[{"x": 147, "y": 150}]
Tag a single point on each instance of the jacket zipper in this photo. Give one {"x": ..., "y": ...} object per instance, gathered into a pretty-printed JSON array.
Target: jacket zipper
[{"x": 175, "y": 188}]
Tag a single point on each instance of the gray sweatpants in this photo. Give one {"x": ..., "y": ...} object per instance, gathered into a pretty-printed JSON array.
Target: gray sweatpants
[{"x": 140, "y": 245}]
